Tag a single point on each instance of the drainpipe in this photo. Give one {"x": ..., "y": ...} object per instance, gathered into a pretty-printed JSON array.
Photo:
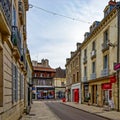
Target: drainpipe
[{"x": 118, "y": 50}]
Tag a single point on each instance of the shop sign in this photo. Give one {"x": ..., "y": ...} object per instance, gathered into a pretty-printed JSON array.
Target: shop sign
[
  {"x": 106, "y": 86},
  {"x": 117, "y": 66},
  {"x": 112, "y": 79}
]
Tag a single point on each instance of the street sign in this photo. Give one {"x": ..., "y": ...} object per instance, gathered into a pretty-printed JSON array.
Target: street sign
[{"x": 117, "y": 66}]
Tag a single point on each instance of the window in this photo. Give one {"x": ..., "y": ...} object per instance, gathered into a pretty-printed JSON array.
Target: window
[
  {"x": 73, "y": 77},
  {"x": 105, "y": 62},
  {"x": 106, "y": 37},
  {"x": 85, "y": 71},
  {"x": 77, "y": 76},
  {"x": 21, "y": 87},
  {"x": 93, "y": 45},
  {"x": 14, "y": 83},
  {"x": 14, "y": 21},
  {"x": 85, "y": 53},
  {"x": 62, "y": 84},
  {"x": 93, "y": 67}
]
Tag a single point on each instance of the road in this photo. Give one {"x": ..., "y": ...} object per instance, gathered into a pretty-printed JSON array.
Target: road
[{"x": 65, "y": 112}]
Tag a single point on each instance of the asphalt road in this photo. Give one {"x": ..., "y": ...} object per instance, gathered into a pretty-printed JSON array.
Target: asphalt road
[{"x": 65, "y": 112}]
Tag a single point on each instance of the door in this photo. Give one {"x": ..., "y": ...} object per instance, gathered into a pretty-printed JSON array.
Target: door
[{"x": 107, "y": 96}]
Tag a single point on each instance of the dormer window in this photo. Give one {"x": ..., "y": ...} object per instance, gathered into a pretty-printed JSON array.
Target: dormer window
[{"x": 109, "y": 7}]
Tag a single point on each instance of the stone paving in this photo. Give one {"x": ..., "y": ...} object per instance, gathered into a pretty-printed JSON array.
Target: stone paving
[
  {"x": 110, "y": 114},
  {"x": 39, "y": 111}
]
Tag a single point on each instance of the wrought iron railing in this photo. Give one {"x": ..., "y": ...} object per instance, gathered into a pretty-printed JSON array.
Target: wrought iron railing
[
  {"x": 6, "y": 7},
  {"x": 93, "y": 76},
  {"x": 16, "y": 39},
  {"x": 105, "y": 72}
]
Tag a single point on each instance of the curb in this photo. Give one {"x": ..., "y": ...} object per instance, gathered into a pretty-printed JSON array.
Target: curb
[{"x": 87, "y": 111}]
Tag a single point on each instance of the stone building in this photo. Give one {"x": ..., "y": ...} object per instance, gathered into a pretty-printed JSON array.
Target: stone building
[
  {"x": 73, "y": 81},
  {"x": 60, "y": 83},
  {"x": 99, "y": 61},
  {"x": 12, "y": 58},
  {"x": 43, "y": 82},
  {"x": 28, "y": 82},
  {"x": 98, "y": 55}
]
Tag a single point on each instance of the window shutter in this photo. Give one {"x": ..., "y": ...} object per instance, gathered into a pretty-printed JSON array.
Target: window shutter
[
  {"x": 16, "y": 84},
  {"x": 13, "y": 83}
]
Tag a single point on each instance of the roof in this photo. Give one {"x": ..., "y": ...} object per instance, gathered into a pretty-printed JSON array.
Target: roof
[
  {"x": 47, "y": 69},
  {"x": 60, "y": 73}
]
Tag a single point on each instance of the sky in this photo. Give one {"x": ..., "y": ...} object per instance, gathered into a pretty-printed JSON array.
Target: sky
[{"x": 53, "y": 37}]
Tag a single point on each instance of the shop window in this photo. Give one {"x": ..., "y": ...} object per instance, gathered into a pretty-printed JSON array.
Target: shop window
[{"x": 1, "y": 77}]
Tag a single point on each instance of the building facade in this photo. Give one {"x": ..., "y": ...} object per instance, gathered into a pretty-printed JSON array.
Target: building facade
[
  {"x": 43, "y": 82},
  {"x": 99, "y": 61},
  {"x": 12, "y": 58},
  {"x": 73, "y": 84},
  {"x": 98, "y": 55},
  {"x": 28, "y": 83},
  {"x": 60, "y": 83}
]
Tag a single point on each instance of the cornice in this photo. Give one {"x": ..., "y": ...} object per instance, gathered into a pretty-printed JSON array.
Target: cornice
[{"x": 100, "y": 27}]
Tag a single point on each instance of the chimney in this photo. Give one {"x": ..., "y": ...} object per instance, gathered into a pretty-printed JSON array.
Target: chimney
[
  {"x": 67, "y": 60},
  {"x": 109, "y": 7},
  {"x": 78, "y": 45},
  {"x": 72, "y": 53},
  {"x": 45, "y": 62},
  {"x": 111, "y": 2}
]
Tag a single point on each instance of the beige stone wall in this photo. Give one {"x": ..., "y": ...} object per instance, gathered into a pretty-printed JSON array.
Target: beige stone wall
[
  {"x": 8, "y": 109},
  {"x": 112, "y": 52},
  {"x": 57, "y": 81}
]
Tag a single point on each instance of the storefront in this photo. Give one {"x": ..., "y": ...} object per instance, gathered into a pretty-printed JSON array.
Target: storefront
[
  {"x": 45, "y": 92},
  {"x": 102, "y": 91},
  {"x": 86, "y": 94},
  {"x": 76, "y": 93},
  {"x": 107, "y": 93}
]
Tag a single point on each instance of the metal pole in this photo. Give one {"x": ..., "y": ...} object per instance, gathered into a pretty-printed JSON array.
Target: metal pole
[{"x": 118, "y": 47}]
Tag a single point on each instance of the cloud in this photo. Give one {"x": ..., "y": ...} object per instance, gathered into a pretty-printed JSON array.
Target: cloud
[{"x": 54, "y": 37}]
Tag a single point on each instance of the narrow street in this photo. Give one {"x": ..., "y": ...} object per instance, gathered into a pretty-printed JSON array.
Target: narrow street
[
  {"x": 55, "y": 110},
  {"x": 69, "y": 113}
]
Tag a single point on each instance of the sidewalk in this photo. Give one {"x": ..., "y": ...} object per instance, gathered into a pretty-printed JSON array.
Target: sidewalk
[
  {"x": 39, "y": 111},
  {"x": 111, "y": 115}
]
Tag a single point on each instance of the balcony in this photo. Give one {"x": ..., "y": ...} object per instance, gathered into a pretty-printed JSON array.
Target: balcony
[
  {"x": 104, "y": 72},
  {"x": 23, "y": 59},
  {"x": 16, "y": 39},
  {"x": 5, "y": 16},
  {"x": 93, "y": 54},
  {"x": 93, "y": 76},
  {"x": 84, "y": 79},
  {"x": 21, "y": 12},
  {"x": 85, "y": 60},
  {"x": 105, "y": 47}
]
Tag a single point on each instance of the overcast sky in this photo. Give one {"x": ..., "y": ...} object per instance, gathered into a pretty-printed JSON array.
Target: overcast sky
[{"x": 53, "y": 37}]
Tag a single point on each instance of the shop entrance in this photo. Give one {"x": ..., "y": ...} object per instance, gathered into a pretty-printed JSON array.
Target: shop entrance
[
  {"x": 94, "y": 94},
  {"x": 76, "y": 95},
  {"x": 107, "y": 94}
]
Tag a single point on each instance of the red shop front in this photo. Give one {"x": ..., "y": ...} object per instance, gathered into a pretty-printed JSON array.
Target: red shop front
[
  {"x": 76, "y": 95},
  {"x": 107, "y": 92}
]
